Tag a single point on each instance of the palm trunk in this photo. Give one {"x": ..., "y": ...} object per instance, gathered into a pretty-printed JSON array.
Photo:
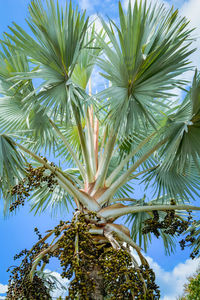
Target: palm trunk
[{"x": 98, "y": 293}]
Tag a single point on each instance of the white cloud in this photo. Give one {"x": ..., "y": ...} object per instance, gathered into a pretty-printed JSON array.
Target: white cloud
[
  {"x": 63, "y": 281},
  {"x": 190, "y": 9},
  {"x": 85, "y": 4},
  {"x": 172, "y": 282},
  {"x": 3, "y": 288}
]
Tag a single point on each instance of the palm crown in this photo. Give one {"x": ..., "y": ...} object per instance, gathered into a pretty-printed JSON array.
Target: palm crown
[{"x": 133, "y": 131}]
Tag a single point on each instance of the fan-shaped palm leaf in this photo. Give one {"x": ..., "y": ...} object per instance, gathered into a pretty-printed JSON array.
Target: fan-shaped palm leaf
[
  {"x": 59, "y": 38},
  {"x": 87, "y": 59},
  {"x": 174, "y": 183},
  {"x": 43, "y": 199},
  {"x": 183, "y": 130},
  {"x": 142, "y": 63},
  {"x": 11, "y": 165},
  {"x": 31, "y": 120}
]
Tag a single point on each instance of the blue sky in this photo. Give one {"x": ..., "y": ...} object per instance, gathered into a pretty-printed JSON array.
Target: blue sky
[{"x": 17, "y": 231}]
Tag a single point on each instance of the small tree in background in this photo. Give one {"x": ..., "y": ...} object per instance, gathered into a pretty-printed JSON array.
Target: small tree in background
[
  {"x": 192, "y": 287},
  {"x": 132, "y": 132}
]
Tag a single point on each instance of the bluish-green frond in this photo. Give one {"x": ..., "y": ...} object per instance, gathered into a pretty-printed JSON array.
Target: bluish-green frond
[
  {"x": 183, "y": 130},
  {"x": 12, "y": 165},
  {"x": 147, "y": 51}
]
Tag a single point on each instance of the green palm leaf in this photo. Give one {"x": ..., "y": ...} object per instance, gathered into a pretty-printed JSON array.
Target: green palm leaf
[
  {"x": 194, "y": 232},
  {"x": 43, "y": 199},
  {"x": 143, "y": 61},
  {"x": 174, "y": 183},
  {"x": 182, "y": 130},
  {"x": 15, "y": 115},
  {"x": 11, "y": 165},
  {"x": 62, "y": 153},
  {"x": 88, "y": 57},
  {"x": 59, "y": 36}
]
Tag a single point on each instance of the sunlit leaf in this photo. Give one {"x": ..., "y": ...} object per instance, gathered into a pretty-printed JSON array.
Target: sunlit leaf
[{"x": 147, "y": 51}]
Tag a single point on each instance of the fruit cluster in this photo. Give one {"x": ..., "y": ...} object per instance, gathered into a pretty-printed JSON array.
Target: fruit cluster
[
  {"x": 123, "y": 281},
  {"x": 20, "y": 286},
  {"x": 91, "y": 267},
  {"x": 191, "y": 240},
  {"x": 174, "y": 225},
  {"x": 171, "y": 224},
  {"x": 77, "y": 254},
  {"x": 35, "y": 178},
  {"x": 95, "y": 268}
]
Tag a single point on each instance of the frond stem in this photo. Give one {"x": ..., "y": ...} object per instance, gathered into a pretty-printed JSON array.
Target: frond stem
[
  {"x": 90, "y": 176},
  {"x": 118, "y": 212},
  {"x": 112, "y": 176},
  {"x": 73, "y": 154},
  {"x": 104, "y": 163},
  {"x": 64, "y": 182},
  {"x": 125, "y": 176},
  {"x": 143, "y": 172}
]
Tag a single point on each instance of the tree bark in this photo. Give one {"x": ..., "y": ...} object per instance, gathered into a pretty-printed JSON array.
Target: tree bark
[{"x": 98, "y": 293}]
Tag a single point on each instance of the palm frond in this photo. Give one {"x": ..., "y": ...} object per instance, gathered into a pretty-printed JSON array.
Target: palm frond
[
  {"x": 15, "y": 115},
  {"x": 174, "y": 183},
  {"x": 147, "y": 51},
  {"x": 59, "y": 36},
  {"x": 125, "y": 191},
  {"x": 194, "y": 233},
  {"x": 42, "y": 199},
  {"x": 62, "y": 153},
  {"x": 12, "y": 111},
  {"x": 88, "y": 57},
  {"x": 182, "y": 129},
  {"x": 11, "y": 165}
]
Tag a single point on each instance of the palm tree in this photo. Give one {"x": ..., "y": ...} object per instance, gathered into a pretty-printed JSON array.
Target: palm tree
[{"x": 134, "y": 131}]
